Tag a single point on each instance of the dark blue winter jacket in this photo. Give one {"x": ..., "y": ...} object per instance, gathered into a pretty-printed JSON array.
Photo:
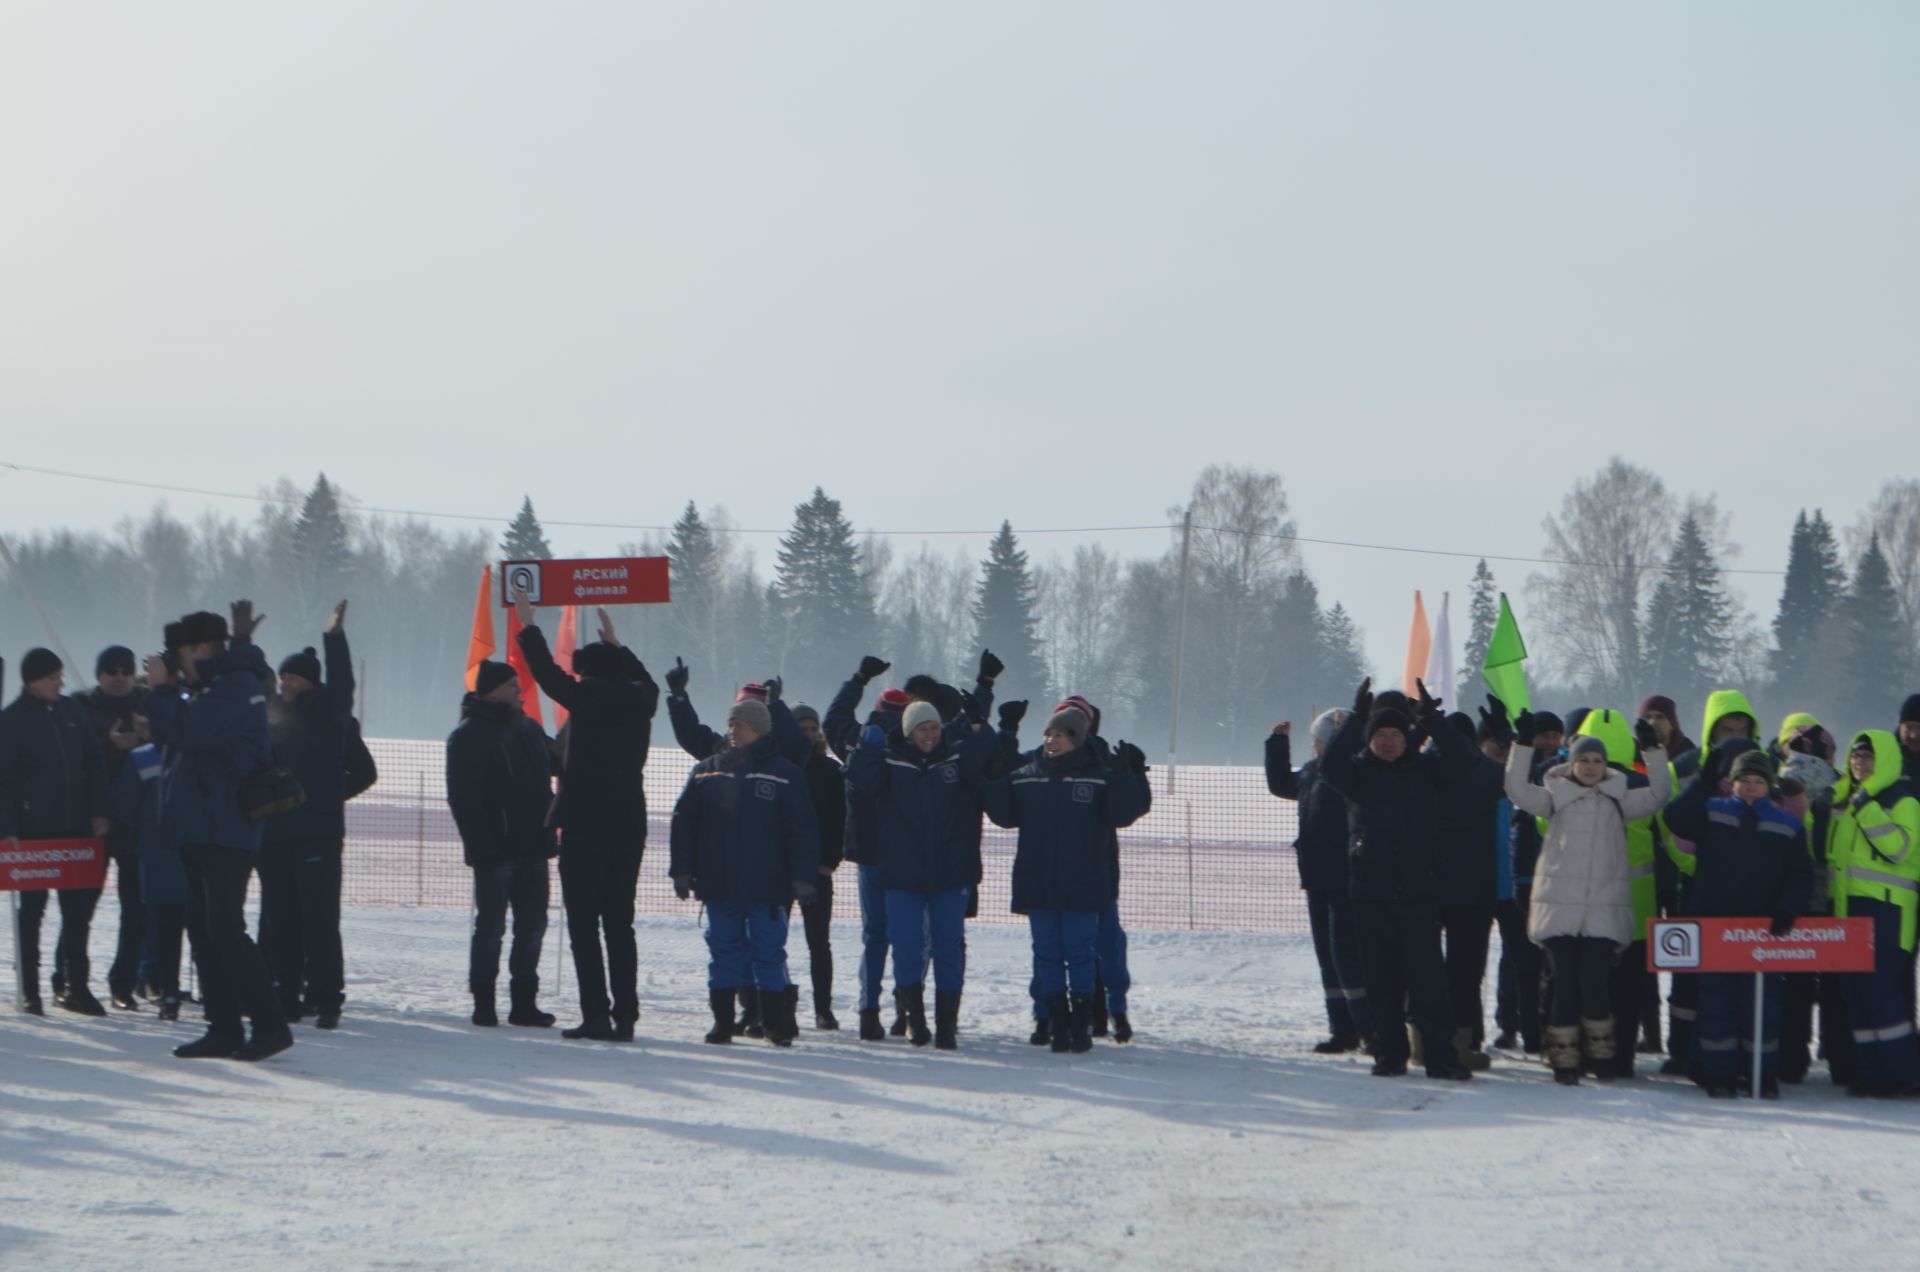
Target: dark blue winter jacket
[
  {"x": 602, "y": 799},
  {"x": 926, "y": 808},
  {"x": 499, "y": 783},
  {"x": 53, "y": 774},
  {"x": 135, "y": 799},
  {"x": 1066, "y": 811},
  {"x": 699, "y": 741},
  {"x": 743, "y": 828},
  {"x": 1752, "y": 858},
  {"x": 1320, "y": 847},
  {"x": 213, "y": 741},
  {"x": 311, "y": 736},
  {"x": 1393, "y": 810}
]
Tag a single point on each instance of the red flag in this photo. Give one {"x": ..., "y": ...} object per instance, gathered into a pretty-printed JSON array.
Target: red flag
[
  {"x": 480, "y": 645},
  {"x": 529, "y": 690},
  {"x": 565, "y": 640}
]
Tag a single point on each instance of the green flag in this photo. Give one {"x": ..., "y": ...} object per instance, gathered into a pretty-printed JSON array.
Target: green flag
[{"x": 1503, "y": 671}]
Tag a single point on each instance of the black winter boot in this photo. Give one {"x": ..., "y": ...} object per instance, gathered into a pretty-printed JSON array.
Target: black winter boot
[
  {"x": 780, "y": 1010},
  {"x": 525, "y": 1007},
  {"x": 268, "y": 1043},
  {"x": 169, "y": 1008},
  {"x": 823, "y": 1017},
  {"x": 899, "y": 1027},
  {"x": 752, "y": 1022},
  {"x": 623, "y": 1024},
  {"x": 1059, "y": 1032},
  {"x": 912, "y": 1000},
  {"x": 1042, "y": 1033},
  {"x": 210, "y": 1046},
  {"x": 80, "y": 1000},
  {"x": 593, "y": 1029},
  {"x": 946, "y": 1019},
  {"x": 484, "y": 1012},
  {"x": 871, "y": 1030},
  {"x": 721, "y": 1000},
  {"x": 1123, "y": 1028},
  {"x": 1080, "y": 1020},
  {"x": 1099, "y": 1026}
]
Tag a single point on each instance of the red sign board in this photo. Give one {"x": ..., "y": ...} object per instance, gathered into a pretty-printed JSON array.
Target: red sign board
[
  {"x": 1816, "y": 944},
  {"x": 587, "y": 581},
  {"x": 35, "y": 865}
]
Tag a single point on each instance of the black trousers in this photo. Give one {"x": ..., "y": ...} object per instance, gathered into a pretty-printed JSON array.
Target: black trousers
[
  {"x": 169, "y": 924},
  {"x": 1582, "y": 979},
  {"x": 817, "y": 920},
  {"x": 122, "y": 847},
  {"x": 1628, "y": 990},
  {"x": 597, "y": 881},
  {"x": 1469, "y": 934},
  {"x": 1400, "y": 950},
  {"x": 71, "y": 965},
  {"x": 300, "y": 923},
  {"x": 233, "y": 975},
  {"x": 522, "y": 885},
  {"x": 1517, "y": 1007}
]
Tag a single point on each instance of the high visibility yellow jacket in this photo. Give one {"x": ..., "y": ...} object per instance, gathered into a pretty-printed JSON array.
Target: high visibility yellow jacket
[{"x": 1873, "y": 837}]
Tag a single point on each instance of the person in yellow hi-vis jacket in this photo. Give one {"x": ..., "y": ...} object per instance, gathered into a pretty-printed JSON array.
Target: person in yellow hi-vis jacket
[{"x": 1873, "y": 852}]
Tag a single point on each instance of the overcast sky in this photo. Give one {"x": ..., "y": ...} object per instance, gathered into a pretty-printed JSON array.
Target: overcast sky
[{"x": 1432, "y": 262}]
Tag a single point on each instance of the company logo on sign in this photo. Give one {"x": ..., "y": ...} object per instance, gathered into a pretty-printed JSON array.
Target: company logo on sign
[
  {"x": 524, "y": 575},
  {"x": 1676, "y": 946}
]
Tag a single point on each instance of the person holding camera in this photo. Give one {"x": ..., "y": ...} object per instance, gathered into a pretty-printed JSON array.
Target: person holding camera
[{"x": 212, "y": 722}]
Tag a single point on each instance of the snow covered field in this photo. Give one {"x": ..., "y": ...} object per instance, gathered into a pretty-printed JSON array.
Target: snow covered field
[{"x": 410, "y": 1138}]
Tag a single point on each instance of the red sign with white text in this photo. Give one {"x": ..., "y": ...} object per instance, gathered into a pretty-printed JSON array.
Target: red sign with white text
[
  {"x": 587, "y": 581},
  {"x": 1816, "y": 944},
  {"x": 35, "y": 865}
]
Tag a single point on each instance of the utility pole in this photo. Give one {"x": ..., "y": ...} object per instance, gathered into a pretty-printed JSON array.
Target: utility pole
[{"x": 1179, "y": 648}]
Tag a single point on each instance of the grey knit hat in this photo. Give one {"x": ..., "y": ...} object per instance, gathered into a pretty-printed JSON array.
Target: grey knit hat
[
  {"x": 1328, "y": 723},
  {"x": 1071, "y": 722},
  {"x": 1587, "y": 744},
  {"x": 754, "y": 714}
]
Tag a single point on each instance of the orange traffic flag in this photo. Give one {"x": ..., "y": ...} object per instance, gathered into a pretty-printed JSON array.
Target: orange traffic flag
[
  {"x": 565, "y": 640},
  {"x": 529, "y": 688},
  {"x": 1419, "y": 648},
  {"x": 480, "y": 645}
]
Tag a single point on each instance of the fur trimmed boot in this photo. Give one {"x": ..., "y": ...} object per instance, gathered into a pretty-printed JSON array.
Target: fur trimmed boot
[
  {"x": 1596, "y": 1039},
  {"x": 1563, "y": 1053}
]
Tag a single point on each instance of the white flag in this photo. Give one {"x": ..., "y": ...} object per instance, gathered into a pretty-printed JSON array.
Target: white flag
[{"x": 1439, "y": 675}]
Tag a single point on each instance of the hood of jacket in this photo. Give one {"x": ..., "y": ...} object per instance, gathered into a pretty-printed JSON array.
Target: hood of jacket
[
  {"x": 1616, "y": 731},
  {"x": 1725, "y": 702},
  {"x": 1886, "y": 766}
]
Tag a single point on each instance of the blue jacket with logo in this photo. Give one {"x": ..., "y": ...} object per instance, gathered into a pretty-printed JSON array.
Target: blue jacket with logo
[
  {"x": 926, "y": 807},
  {"x": 1752, "y": 858},
  {"x": 744, "y": 828},
  {"x": 1066, "y": 811}
]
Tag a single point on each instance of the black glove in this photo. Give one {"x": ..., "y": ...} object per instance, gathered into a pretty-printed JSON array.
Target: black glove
[
  {"x": 683, "y": 886},
  {"x": 1646, "y": 735},
  {"x": 1129, "y": 758},
  {"x": 1494, "y": 717},
  {"x": 990, "y": 667},
  {"x": 1713, "y": 767},
  {"x": 807, "y": 895},
  {"x": 870, "y": 667},
  {"x": 774, "y": 686},
  {"x": 1011, "y": 713},
  {"x": 1428, "y": 706},
  {"x": 1782, "y": 924},
  {"x": 1524, "y": 728},
  {"x": 1363, "y": 699},
  {"x": 1859, "y": 800},
  {"x": 677, "y": 679}
]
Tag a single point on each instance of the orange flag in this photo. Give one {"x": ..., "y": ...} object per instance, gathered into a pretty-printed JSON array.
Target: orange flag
[
  {"x": 1419, "y": 648},
  {"x": 565, "y": 641},
  {"x": 480, "y": 645},
  {"x": 529, "y": 688}
]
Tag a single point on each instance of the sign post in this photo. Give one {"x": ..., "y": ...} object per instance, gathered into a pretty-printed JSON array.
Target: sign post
[
  {"x": 1816, "y": 944},
  {"x": 588, "y": 581}
]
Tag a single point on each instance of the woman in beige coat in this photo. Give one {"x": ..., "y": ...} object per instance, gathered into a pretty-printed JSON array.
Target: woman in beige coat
[{"x": 1582, "y": 912}]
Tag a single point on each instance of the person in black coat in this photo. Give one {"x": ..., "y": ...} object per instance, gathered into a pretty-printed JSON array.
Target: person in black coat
[
  {"x": 1066, "y": 804},
  {"x": 1467, "y": 887},
  {"x": 601, "y": 812},
  {"x": 826, "y": 791},
  {"x": 745, "y": 841},
  {"x": 52, "y": 786},
  {"x": 1393, "y": 794},
  {"x": 926, "y": 797},
  {"x": 499, "y": 787},
  {"x": 300, "y": 859},
  {"x": 1320, "y": 849},
  {"x": 1518, "y": 1002},
  {"x": 113, "y": 704}
]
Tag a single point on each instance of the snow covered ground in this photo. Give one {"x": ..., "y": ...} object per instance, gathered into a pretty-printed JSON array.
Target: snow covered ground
[{"x": 410, "y": 1138}]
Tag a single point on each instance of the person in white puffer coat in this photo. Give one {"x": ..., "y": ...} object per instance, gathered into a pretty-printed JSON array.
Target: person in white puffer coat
[{"x": 1582, "y": 911}]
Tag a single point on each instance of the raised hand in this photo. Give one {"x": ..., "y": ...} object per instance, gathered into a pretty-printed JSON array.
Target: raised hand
[
  {"x": 871, "y": 668},
  {"x": 522, "y": 607},
  {"x": 1494, "y": 717},
  {"x": 156, "y": 668},
  {"x": 1524, "y": 728},
  {"x": 677, "y": 678},
  {"x": 1363, "y": 699},
  {"x": 1284, "y": 729},
  {"x": 1011, "y": 713},
  {"x": 775, "y": 686},
  {"x": 1428, "y": 706},
  {"x": 990, "y": 667},
  {"x": 606, "y": 628},
  {"x": 1646, "y": 735},
  {"x": 245, "y": 621},
  {"x": 338, "y": 619},
  {"x": 1129, "y": 758}
]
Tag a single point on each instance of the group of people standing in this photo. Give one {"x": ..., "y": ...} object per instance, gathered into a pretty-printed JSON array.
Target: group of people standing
[
  {"x": 1421, "y": 832},
  {"x": 211, "y": 770},
  {"x": 771, "y": 809}
]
